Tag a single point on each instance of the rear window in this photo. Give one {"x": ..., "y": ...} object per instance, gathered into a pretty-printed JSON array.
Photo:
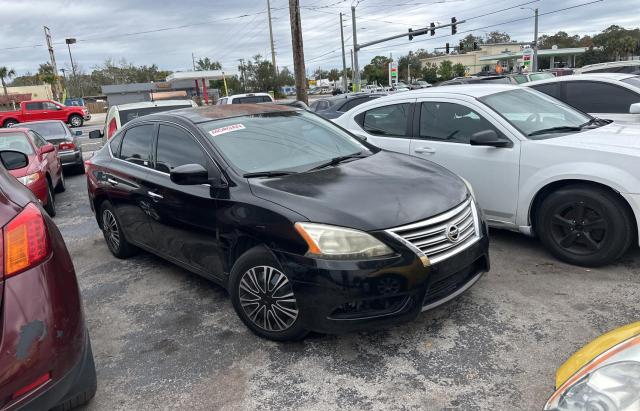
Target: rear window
[
  {"x": 131, "y": 114},
  {"x": 251, "y": 100},
  {"x": 16, "y": 142},
  {"x": 540, "y": 76},
  {"x": 49, "y": 131}
]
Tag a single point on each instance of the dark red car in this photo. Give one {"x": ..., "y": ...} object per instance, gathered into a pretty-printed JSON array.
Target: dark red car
[
  {"x": 46, "y": 360},
  {"x": 43, "y": 173}
]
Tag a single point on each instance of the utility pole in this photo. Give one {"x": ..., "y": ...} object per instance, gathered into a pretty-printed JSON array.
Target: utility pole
[
  {"x": 273, "y": 49},
  {"x": 355, "y": 67},
  {"x": 409, "y": 69},
  {"x": 57, "y": 89},
  {"x": 298, "y": 51},
  {"x": 535, "y": 43},
  {"x": 353, "y": 78},
  {"x": 193, "y": 59},
  {"x": 344, "y": 57}
]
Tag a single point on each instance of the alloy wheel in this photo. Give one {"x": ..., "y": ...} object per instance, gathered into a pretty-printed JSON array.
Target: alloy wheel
[
  {"x": 579, "y": 228},
  {"x": 267, "y": 298},
  {"x": 111, "y": 231},
  {"x": 75, "y": 121}
]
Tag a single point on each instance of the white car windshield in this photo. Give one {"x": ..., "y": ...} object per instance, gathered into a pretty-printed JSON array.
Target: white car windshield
[{"x": 536, "y": 115}]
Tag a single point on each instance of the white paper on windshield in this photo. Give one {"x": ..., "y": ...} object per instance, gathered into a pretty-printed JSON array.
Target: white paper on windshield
[{"x": 226, "y": 129}]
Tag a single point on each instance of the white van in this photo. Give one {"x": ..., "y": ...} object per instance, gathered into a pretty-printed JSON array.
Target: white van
[{"x": 250, "y": 98}]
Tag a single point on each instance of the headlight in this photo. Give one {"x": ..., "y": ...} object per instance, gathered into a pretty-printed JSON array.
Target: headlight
[
  {"x": 469, "y": 187},
  {"x": 613, "y": 387},
  {"x": 30, "y": 179},
  {"x": 340, "y": 243}
]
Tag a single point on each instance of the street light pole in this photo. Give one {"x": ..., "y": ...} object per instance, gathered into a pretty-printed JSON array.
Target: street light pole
[
  {"x": 73, "y": 66},
  {"x": 535, "y": 43},
  {"x": 344, "y": 57},
  {"x": 356, "y": 67}
]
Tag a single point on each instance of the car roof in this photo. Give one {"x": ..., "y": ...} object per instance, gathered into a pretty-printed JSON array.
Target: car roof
[
  {"x": 41, "y": 122},
  {"x": 586, "y": 76},
  {"x": 349, "y": 96},
  {"x": 220, "y": 112},
  {"x": 472, "y": 90},
  {"x": 13, "y": 129},
  {"x": 158, "y": 103},
  {"x": 621, "y": 63},
  {"x": 247, "y": 95}
]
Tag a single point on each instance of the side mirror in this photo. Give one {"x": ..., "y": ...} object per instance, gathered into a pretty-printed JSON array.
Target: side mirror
[
  {"x": 77, "y": 133},
  {"x": 489, "y": 138},
  {"x": 194, "y": 174},
  {"x": 634, "y": 109},
  {"x": 13, "y": 160},
  {"x": 47, "y": 148},
  {"x": 93, "y": 134}
]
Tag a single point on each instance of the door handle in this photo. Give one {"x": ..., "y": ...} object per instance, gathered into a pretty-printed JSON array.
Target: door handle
[
  {"x": 155, "y": 195},
  {"x": 112, "y": 181},
  {"x": 424, "y": 150}
]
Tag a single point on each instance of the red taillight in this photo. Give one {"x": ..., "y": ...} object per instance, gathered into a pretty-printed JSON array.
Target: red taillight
[
  {"x": 25, "y": 241},
  {"x": 66, "y": 146},
  {"x": 41, "y": 380},
  {"x": 113, "y": 127}
]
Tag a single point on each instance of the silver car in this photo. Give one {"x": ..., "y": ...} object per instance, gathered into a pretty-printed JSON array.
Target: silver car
[{"x": 66, "y": 141}]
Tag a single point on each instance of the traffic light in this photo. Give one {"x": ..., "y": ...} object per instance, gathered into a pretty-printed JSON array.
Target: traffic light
[
  {"x": 410, "y": 35},
  {"x": 461, "y": 47},
  {"x": 447, "y": 48},
  {"x": 454, "y": 26},
  {"x": 475, "y": 45},
  {"x": 433, "y": 30}
]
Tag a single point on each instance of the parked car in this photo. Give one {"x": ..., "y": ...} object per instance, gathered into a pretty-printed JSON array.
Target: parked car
[
  {"x": 607, "y": 95},
  {"x": 42, "y": 174},
  {"x": 602, "y": 375},
  {"x": 249, "y": 98},
  {"x": 334, "y": 107},
  {"x": 622, "y": 67},
  {"x": 537, "y": 165},
  {"x": 46, "y": 360},
  {"x": 119, "y": 115},
  {"x": 35, "y": 110},
  {"x": 498, "y": 79},
  {"x": 373, "y": 88},
  {"x": 416, "y": 85},
  {"x": 527, "y": 77},
  {"x": 66, "y": 142},
  {"x": 307, "y": 227}
]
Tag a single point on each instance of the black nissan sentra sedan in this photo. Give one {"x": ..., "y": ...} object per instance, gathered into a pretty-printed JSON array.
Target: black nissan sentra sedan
[{"x": 307, "y": 227}]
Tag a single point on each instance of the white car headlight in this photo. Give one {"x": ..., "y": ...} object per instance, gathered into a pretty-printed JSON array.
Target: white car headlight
[
  {"x": 469, "y": 187},
  {"x": 30, "y": 179},
  {"x": 340, "y": 243},
  {"x": 613, "y": 387}
]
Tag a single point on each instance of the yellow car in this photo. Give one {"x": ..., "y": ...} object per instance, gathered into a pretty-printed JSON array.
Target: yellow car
[{"x": 604, "y": 375}]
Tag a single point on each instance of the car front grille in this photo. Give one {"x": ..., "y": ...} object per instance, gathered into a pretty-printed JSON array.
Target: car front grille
[{"x": 444, "y": 235}]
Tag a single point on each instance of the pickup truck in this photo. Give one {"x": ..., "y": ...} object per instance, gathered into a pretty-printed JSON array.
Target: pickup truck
[{"x": 35, "y": 110}]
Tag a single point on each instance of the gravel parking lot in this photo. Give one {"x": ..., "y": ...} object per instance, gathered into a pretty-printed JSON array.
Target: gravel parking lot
[{"x": 164, "y": 338}]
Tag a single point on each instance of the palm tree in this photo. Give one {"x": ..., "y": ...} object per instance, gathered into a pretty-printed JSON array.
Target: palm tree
[{"x": 6, "y": 73}]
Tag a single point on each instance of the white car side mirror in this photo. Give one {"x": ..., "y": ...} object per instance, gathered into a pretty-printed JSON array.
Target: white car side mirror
[{"x": 635, "y": 108}]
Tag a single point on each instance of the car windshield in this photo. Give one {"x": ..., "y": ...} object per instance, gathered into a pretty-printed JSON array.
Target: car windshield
[
  {"x": 17, "y": 142},
  {"x": 126, "y": 115},
  {"x": 536, "y": 115},
  {"x": 540, "y": 76},
  {"x": 49, "y": 131},
  {"x": 634, "y": 81},
  {"x": 294, "y": 141}
]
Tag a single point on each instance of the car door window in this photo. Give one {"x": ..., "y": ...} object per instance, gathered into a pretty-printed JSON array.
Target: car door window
[
  {"x": 136, "y": 144},
  {"x": 388, "y": 121},
  {"x": 49, "y": 106},
  {"x": 354, "y": 102},
  {"x": 176, "y": 148},
  {"x": 36, "y": 139},
  {"x": 550, "y": 89},
  {"x": 598, "y": 97},
  {"x": 34, "y": 106},
  {"x": 450, "y": 122}
]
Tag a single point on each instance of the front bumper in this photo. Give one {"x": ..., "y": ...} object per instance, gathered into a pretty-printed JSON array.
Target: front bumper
[
  {"x": 87, "y": 117},
  {"x": 70, "y": 157},
  {"x": 346, "y": 296}
]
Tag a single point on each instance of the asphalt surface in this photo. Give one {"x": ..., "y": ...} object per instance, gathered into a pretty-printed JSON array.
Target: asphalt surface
[{"x": 164, "y": 338}]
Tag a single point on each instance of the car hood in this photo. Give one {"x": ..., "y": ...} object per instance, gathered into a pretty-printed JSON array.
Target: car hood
[
  {"x": 381, "y": 191},
  {"x": 621, "y": 138}
]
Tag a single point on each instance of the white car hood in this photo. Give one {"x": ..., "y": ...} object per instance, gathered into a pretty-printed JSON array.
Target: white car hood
[{"x": 623, "y": 138}]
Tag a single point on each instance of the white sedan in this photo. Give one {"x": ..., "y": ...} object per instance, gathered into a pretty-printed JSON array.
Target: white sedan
[{"x": 537, "y": 165}]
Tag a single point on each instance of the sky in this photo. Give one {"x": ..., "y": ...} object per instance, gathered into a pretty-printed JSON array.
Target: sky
[{"x": 167, "y": 32}]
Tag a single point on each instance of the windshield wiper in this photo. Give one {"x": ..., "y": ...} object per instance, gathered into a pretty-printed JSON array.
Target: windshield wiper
[
  {"x": 558, "y": 129},
  {"x": 337, "y": 160},
  {"x": 274, "y": 173},
  {"x": 595, "y": 121}
]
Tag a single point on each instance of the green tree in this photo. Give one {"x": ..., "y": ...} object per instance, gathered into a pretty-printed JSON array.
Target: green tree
[
  {"x": 6, "y": 74},
  {"x": 46, "y": 74},
  {"x": 27, "y": 79},
  {"x": 458, "y": 70},
  {"x": 320, "y": 74},
  {"x": 377, "y": 72},
  {"x": 497, "y": 37},
  {"x": 411, "y": 61},
  {"x": 207, "y": 64},
  {"x": 333, "y": 76},
  {"x": 430, "y": 73},
  {"x": 445, "y": 71},
  {"x": 560, "y": 39},
  {"x": 618, "y": 42}
]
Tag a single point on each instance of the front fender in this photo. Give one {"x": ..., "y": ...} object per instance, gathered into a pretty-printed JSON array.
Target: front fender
[{"x": 608, "y": 175}]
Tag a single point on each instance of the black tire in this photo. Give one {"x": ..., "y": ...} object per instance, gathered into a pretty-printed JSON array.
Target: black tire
[
  {"x": 9, "y": 123},
  {"x": 62, "y": 186},
  {"x": 85, "y": 388},
  {"x": 113, "y": 235},
  {"x": 76, "y": 120},
  {"x": 273, "y": 317},
  {"x": 50, "y": 207},
  {"x": 585, "y": 225}
]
